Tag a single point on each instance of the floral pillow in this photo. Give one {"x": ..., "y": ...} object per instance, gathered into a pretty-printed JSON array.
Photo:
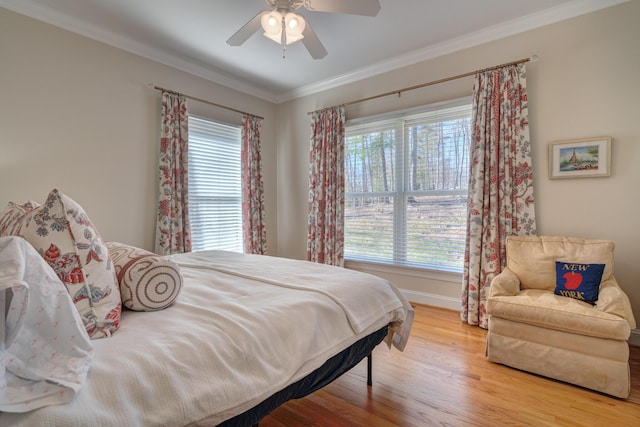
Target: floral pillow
[
  {"x": 12, "y": 213},
  {"x": 65, "y": 237}
]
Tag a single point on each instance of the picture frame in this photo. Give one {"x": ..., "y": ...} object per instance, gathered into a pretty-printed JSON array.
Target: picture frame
[{"x": 580, "y": 158}]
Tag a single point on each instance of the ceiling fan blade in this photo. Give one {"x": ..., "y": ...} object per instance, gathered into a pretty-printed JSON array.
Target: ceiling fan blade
[
  {"x": 353, "y": 7},
  {"x": 312, "y": 43},
  {"x": 247, "y": 30}
]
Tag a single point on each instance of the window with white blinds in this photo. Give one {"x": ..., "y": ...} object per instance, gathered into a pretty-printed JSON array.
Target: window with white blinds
[
  {"x": 406, "y": 180},
  {"x": 215, "y": 185}
]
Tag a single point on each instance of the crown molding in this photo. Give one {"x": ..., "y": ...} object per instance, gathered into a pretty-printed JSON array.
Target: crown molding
[
  {"x": 536, "y": 20},
  {"x": 546, "y": 17}
]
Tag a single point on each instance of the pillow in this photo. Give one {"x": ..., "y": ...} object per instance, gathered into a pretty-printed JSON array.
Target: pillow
[
  {"x": 47, "y": 354},
  {"x": 65, "y": 237},
  {"x": 148, "y": 282},
  {"x": 579, "y": 281},
  {"x": 11, "y": 215}
]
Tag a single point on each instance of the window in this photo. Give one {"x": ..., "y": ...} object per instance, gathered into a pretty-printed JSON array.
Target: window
[
  {"x": 215, "y": 185},
  {"x": 406, "y": 180}
]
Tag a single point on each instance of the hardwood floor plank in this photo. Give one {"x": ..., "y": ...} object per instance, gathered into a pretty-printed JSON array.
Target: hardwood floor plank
[{"x": 444, "y": 379}]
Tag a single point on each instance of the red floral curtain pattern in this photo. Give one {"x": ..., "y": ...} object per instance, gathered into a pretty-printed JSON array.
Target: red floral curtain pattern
[
  {"x": 173, "y": 234},
  {"x": 325, "y": 235},
  {"x": 501, "y": 199},
  {"x": 253, "y": 212}
]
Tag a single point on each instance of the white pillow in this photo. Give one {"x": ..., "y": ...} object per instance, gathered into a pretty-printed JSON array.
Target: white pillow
[{"x": 46, "y": 354}]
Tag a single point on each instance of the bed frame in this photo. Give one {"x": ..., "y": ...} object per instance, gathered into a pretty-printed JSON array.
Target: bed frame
[
  {"x": 225, "y": 292},
  {"x": 325, "y": 374}
]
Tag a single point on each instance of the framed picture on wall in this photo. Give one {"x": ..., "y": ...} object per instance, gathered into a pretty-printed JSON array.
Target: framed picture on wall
[{"x": 580, "y": 158}]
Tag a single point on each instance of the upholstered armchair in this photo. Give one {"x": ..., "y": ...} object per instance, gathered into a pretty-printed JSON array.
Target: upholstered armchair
[{"x": 540, "y": 319}]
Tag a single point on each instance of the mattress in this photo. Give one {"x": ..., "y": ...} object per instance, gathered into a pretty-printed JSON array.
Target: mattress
[{"x": 243, "y": 328}]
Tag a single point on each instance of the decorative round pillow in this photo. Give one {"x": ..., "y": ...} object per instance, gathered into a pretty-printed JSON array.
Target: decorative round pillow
[{"x": 148, "y": 282}]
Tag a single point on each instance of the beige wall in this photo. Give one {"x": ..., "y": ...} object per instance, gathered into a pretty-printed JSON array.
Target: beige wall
[
  {"x": 80, "y": 116},
  {"x": 583, "y": 85}
]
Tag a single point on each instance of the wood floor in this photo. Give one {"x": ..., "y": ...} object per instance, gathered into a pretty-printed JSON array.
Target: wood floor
[{"x": 443, "y": 379}]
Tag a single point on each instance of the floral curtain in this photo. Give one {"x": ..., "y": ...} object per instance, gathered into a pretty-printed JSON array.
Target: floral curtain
[
  {"x": 325, "y": 235},
  {"x": 253, "y": 212},
  {"x": 500, "y": 185},
  {"x": 173, "y": 234}
]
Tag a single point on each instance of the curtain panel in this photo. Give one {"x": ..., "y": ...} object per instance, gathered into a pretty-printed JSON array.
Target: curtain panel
[
  {"x": 173, "y": 233},
  {"x": 501, "y": 201},
  {"x": 325, "y": 235},
  {"x": 253, "y": 211}
]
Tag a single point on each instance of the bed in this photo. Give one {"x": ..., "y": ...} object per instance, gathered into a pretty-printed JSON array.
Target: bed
[{"x": 245, "y": 334}]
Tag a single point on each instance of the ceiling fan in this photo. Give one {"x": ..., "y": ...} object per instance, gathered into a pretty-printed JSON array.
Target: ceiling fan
[{"x": 283, "y": 26}]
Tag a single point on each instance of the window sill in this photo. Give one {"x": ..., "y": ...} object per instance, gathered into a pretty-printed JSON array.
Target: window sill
[{"x": 423, "y": 273}]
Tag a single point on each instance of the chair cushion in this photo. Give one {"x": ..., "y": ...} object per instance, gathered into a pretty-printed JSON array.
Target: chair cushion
[
  {"x": 545, "y": 309},
  {"x": 533, "y": 258}
]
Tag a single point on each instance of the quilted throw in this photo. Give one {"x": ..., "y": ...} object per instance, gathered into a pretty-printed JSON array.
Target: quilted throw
[{"x": 45, "y": 351}]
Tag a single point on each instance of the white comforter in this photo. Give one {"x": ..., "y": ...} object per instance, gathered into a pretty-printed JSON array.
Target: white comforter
[{"x": 244, "y": 327}]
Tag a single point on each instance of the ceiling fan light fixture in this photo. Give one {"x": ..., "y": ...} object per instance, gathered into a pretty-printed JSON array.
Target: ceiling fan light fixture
[
  {"x": 284, "y": 27},
  {"x": 273, "y": 23}
]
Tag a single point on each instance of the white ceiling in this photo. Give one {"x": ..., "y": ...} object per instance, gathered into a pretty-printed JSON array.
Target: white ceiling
[{"x": 191, "y": 35}]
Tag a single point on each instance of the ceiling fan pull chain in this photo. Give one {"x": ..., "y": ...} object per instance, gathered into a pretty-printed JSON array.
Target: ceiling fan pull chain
[{"x": 283, "y": 41}]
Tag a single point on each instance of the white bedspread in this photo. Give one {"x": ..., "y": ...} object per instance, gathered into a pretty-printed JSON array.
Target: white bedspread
[{"x": 243, "y": 328}]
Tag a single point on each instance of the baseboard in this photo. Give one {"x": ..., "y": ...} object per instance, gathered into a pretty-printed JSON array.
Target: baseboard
[
  {"x": 432, "y": 299},
  {"x": 454, "y": 304}
]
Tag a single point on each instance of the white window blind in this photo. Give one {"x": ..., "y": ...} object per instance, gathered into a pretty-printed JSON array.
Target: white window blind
[
  {"x": 406, "y": 180},
  {"x": 215, "y": 185}
]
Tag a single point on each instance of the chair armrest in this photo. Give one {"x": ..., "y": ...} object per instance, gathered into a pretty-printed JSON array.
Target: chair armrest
[
  {"x": 613, "y": 300},
  {"x": 505, "y": 283}
]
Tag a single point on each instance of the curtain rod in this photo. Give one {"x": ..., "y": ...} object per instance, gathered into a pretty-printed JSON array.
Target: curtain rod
[
  {"x": 434, "y": 82},
  {"x": 206, "y": 102}
]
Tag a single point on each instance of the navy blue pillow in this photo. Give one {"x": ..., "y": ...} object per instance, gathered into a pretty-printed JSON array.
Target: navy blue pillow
[{"x": 579, "y": 281}]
